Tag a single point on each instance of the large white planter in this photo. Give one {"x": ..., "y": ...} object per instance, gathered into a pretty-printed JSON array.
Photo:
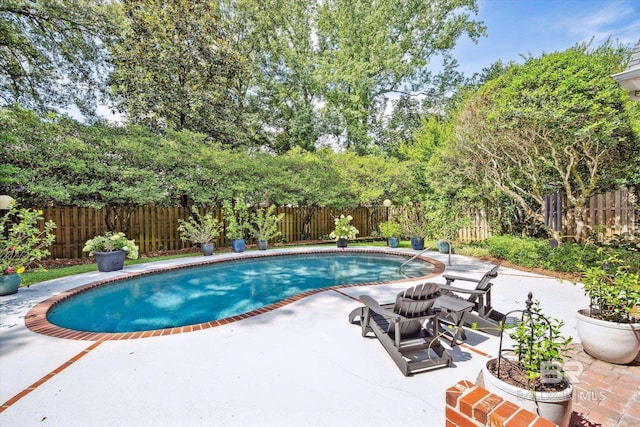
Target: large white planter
[
  {"x": 554, "y": 406},
  {"x": 611, "y": 342}
]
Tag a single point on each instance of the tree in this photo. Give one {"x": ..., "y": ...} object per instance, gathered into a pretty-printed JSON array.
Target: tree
[
  {"x": 174, "y": 68},
  {"x": 52, "y": 52},
  {"x": 371, "y": 49},
  {"x": 556, "y": 120}
]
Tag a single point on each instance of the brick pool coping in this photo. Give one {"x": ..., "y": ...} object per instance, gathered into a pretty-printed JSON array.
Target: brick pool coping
[{"x": 36, "y": 319}]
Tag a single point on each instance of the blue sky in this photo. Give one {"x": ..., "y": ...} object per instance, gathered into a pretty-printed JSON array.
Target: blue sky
[{"x": 516, "y": 27}]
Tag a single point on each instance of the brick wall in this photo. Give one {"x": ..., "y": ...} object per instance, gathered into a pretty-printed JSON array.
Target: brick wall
[{"x": 468, "y": 405}]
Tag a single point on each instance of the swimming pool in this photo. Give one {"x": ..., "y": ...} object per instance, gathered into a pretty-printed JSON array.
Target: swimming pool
[{"x": 220, "y": 290}]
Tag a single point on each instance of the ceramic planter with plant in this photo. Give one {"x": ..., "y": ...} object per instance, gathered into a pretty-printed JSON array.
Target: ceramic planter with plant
[
  {"x": 110, "y": 250},
  {"x": 391, "y": 231},
  {"x": 531, "y": 374},
  {"x": 413, "y": 221},
  {"x": 609, "y": 329},
  {"x": 264, "y": 226},
  {"x": 236, "y": 217},
  {"x": 22, "y": 243},
  {"x": 200, "y": 229},
  {"x": 343, "y": 231}
]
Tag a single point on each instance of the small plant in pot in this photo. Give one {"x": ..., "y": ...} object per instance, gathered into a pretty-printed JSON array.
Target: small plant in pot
[
  {"x": 343, "y": 231},
  {"x": 264, "y": 225},
  {"x": 391, "y": 231},
  {"x": 110, "y": 250},
  {"x": 530, "y": 374},
  {"x": 609, "y": 329},
  {"x": 236, "y": 217},
  {"x": 200, "y": 229},
  {"x": 22, "y": 243},
  {"x": 413, "y": 221}
]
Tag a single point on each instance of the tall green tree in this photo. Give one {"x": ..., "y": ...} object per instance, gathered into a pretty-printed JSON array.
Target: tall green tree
[
  {"x": 372, "y": 49},
  {"x": 556, "y": 120},
  {"x": 174, "y": 68},
  {"x": 52, "y": 52}
]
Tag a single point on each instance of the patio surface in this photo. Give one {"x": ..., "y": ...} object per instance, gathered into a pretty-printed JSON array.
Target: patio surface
[{"x": 299, "y": 365}]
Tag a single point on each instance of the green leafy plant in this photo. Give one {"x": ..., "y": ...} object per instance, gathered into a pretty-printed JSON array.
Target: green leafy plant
[
  {"x": 22, "y": 242},
  {"x": 614, "y": 291},
  {"x": 390, "y": 229},
  {"x": 110, "y": 242},
  {"x": 264, "y": 223},
  {"x": 199, "y": 228},
  {"x": 413, "y": 221},
  {"x": 343, "y": 228},
  {"x": 236, "y": 216},
  {"x": 539, "y": 345}
]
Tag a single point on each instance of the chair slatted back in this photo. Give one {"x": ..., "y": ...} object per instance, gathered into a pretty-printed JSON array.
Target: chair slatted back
[{"x": 414, "y": 302}]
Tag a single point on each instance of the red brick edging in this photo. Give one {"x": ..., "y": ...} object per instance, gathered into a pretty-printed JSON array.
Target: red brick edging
[{"x": 36, "y": 318}]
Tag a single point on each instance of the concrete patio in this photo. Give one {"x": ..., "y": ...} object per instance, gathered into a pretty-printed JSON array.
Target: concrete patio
[{"x": 299, "y": 365}]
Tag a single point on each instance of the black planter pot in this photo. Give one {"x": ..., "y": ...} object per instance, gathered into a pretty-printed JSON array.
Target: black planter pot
[
  {"x": 342, "y": 243},
  {"x": 110, "y": 261},
  {"x": 263, "y": 245}
]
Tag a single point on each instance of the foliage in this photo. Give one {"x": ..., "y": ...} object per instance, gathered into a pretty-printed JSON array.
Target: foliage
[
  {"x": 343, "y": 228},
  {"x": 173, "y": 67},
  {"x": 614, "y": 290},
  {"x": 110, "y": 242},
  {"x": 539, "y": 343},
  {"x": 52, "y": 52},
  {"x": 413, "y": 220},
  {"x": 22, "y": 242},
  {"x": 202, "y": 229},
  {"x": 236, "y": 216},
  {"x": 390, "y": 229},
  {"x": 558, "y": 119},
  {"x": 264, "y": 223}
]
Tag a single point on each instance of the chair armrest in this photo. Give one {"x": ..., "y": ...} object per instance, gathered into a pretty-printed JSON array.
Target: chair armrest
[
  {"x": 451, "y": 278},
  {"x": 463, "y": 290},
  {"x": 373, "y": 305}
]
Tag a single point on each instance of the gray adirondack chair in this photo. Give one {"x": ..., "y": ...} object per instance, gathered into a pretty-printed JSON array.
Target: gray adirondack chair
[
  {"x": 483, "y": 316},
  {"x": 400, "y": 328}
]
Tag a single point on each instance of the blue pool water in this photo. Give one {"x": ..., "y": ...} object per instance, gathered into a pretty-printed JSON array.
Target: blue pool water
[{"x": 200, "y": 294}]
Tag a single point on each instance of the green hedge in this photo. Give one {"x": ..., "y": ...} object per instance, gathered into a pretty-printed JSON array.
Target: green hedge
[{"x": 569, "y": 257}]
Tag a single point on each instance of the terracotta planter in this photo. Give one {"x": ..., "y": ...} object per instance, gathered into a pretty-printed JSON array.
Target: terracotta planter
[
  {"x": 110, "y": 261},
  {"x": 9, "y": 283},
  {"x": 554, "y": 406},
  {"x": 612, "y": 342}
]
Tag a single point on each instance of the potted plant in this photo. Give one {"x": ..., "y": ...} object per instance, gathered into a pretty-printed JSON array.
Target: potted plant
[
  {"x": 414, "y": 225},
  {"x": 22, "y": 243},
  {"x": 264, "y": 226},
  {"x": 200, "y": 229},
  {"x": 391, "y": 231},
  {"x": 532, "y": 376},
  {"x": 343, "y": 231},
  {"x": 609, "y": 329},
  {"x": 236, "y": 217},
  {"x": 110, "y": 250}
]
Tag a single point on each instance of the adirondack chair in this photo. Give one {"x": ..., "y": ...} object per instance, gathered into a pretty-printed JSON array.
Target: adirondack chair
[
  {"x": 400, "y": 328},
  {"x": 483, "y": 316}
]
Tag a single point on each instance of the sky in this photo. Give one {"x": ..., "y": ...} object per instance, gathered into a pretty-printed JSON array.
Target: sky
[{"x": 523, "y": 27}]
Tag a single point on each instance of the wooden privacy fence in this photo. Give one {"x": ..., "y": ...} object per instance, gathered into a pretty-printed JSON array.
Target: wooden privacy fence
[
  {"x": 156, "y": 228},
  {"x": 615, "y": 212}
]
